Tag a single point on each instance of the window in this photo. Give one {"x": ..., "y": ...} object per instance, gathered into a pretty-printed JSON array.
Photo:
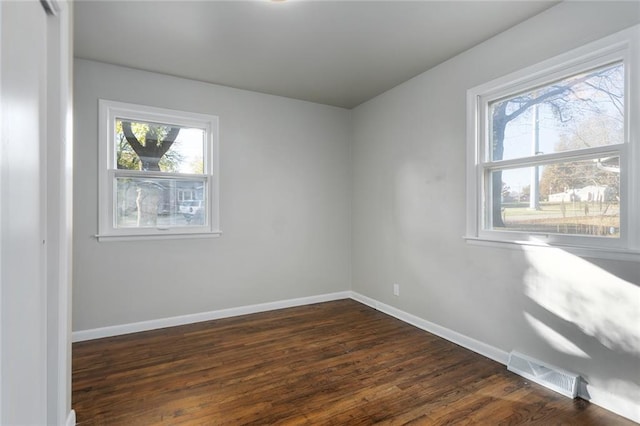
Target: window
[
  {"x": 552, "y": 151},
  {"x": 158, "y": 172}
]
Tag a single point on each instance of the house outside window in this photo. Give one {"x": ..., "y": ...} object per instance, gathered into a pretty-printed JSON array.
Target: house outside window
[
  {"x": 158, "y": 174},
  {"x": 552, "y": 151}
]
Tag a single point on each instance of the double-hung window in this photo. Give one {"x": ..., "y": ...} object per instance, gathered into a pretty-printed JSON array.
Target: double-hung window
[
  {"x": 158, "y": 172},
  {"x": 553, "y": 155}
]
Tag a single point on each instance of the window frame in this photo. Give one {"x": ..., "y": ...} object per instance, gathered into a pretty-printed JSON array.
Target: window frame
[
  {"x": 620, "y": 47},
  {"x": 108, "y": 112}
]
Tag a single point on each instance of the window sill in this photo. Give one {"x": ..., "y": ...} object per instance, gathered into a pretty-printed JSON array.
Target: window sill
[
  {"x": 171, "y": 236},
  {"x": 581, "y": 251}
]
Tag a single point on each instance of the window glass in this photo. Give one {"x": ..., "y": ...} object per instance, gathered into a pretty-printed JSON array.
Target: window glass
[
  {"x": 159, "y": 202},
  {"x": 585, "y": 110},
  {"x": 158, "y": 147},
  {"x": 569, "y": 121},
  {"x": 572, "y": 197}
]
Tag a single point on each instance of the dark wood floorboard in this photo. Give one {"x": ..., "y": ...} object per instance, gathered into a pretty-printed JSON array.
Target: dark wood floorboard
[{"x": 335, "y": 363}]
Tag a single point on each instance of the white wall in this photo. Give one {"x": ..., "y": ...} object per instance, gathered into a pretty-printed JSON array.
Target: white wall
[
  {"x": 23, "y": 307},
  {"x": 284, "y": 206},
  {"x": 35, "y": 337},
  {"x": 409, "y": 220}
]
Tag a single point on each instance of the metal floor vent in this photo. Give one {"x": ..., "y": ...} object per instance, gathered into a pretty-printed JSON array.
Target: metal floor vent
[{"x": 554, "y": 378}]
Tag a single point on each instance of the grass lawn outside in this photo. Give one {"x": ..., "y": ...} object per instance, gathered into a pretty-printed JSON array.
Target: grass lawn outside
[{"x": 582, "y": 218}]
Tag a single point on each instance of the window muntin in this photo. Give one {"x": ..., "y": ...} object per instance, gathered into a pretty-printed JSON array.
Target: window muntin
[
  {"x": 606, "y": 139},
  {"x": 159, "y": 172}
]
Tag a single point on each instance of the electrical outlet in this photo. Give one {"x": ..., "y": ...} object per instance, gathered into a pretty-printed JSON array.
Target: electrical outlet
[{"x": 396, "y": 289}]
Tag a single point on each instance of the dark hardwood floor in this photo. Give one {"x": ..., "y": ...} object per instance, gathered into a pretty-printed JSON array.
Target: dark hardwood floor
[{"x": 336, "y": 363}]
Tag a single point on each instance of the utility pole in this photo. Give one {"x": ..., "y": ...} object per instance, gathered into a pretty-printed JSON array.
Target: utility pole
[{"x": 534, "y": 202}]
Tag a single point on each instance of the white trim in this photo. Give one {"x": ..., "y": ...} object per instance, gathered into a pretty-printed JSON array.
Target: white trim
[
  {"x": 477, "y": 346},
  {"x": 588, "y": 252},
  {"x": 116, "y": 330},
  {"x": 614, "y": 403},
  {"x": 1, "y": 221},
  {"x": 59, "y": 211},
  {"x": 633, "y": 135},
  {"x": 71, "y": 419},
  {"x": 581, "y": 154},
  {"x": 168, "y": 236}
]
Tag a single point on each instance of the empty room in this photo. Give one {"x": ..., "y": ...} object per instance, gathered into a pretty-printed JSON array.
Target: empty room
[{"x": 320, "y": 212}]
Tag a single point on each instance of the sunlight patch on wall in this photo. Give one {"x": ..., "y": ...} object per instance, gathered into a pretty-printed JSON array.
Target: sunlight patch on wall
[
  {"x": 599, "y": 303},
  {"x": 554, "y": 339}
]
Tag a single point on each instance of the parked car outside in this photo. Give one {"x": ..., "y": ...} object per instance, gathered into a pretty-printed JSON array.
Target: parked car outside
[{"x": 191, "y": 208}]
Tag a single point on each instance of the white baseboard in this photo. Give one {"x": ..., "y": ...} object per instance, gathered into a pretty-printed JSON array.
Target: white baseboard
[
  {"x": 614, "y": 403},
  {"x": 116, "y": 330},
  {"x": 460, "y": 339},
  {"x": 71, "y": 419},
  {"x": 604, "y": 399}
]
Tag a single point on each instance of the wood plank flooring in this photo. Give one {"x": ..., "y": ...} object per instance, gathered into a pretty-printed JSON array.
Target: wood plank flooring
[{"x": 335, "y": 363}]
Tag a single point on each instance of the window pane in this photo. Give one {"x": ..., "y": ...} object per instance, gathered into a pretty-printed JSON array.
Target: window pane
[
  {"x": 159, "y": 147},
  {"x": 577, "y": 197},
  {"x": 160, "y": 202},
  {"x": 582, "y": 111}
]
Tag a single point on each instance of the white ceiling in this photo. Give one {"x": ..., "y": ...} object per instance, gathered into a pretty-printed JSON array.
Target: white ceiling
[{"x": 338, "y": 53}]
